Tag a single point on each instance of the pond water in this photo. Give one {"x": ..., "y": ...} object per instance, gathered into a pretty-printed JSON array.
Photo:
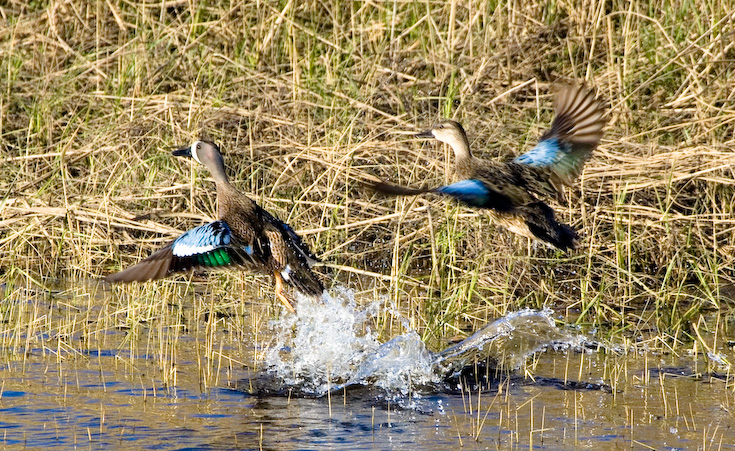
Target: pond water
[{"x": 326, "y": 382}]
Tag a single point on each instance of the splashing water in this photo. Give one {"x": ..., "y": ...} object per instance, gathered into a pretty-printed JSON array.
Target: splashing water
[
  {"x": 323, "y": 343},
  {"x": 508, "y": 341},
  {"x": 329, "y": 344}
]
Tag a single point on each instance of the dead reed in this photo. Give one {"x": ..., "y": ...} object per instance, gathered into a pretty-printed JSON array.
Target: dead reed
[{"x": 307, "y": 98}]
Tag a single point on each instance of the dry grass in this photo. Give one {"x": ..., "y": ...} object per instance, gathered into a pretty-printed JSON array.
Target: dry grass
[{"x": 306, "y": 98}]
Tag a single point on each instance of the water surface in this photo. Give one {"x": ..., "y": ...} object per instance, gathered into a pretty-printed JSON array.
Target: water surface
[{"x": 325, "y": 381}]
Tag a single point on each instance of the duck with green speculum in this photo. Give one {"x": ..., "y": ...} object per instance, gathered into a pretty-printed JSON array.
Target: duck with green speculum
[
  {"x": 245, "y": 236},
  {"x": 513, "y": 191}
]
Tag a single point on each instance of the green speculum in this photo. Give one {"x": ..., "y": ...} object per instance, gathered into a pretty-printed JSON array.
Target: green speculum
[{"x": 218, "y": 257}]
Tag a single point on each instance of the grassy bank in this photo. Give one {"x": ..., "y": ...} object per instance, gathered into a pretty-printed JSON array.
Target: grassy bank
[{"x": 306, "y": 98}]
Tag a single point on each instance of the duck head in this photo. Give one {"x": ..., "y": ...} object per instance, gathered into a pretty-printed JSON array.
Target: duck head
[
  {"x": 449, "y": 132},
  {"x": 206, "y": 153}
]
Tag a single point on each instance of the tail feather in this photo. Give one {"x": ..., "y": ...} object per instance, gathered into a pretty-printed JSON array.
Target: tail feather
[
  {"x": 542, "y": 223},
  {"x": 305, "y": 281}
]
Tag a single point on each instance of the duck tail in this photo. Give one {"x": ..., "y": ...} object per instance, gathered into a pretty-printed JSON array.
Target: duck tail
[
  {"x": 542, "y": 223},
  {"x": 303, "y": 280}
]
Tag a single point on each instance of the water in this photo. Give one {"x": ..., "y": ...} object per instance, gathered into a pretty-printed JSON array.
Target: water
[
  {"x": 325, "y": 381},
  {"x": 328, "y": 346}
]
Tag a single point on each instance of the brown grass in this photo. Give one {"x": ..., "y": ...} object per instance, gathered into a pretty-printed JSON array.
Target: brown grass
[{"x": 307, "y": 98}]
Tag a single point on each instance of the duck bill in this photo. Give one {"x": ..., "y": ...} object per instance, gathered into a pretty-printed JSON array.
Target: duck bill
[
  {"x": 186, "y": 152},
  {"x": 424, "y": 134}
]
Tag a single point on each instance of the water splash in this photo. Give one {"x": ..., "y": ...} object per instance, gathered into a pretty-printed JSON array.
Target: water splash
[
  {"x": 508, "y": 341},
  {"x": 329, "y": 345},
  {"x": 322, "y": 344},
  {"x": 399, "y": 366}
]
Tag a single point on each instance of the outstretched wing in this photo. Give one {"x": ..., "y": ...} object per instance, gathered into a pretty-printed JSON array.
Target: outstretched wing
[
  {"x": 390, "y": 189},
  {"x": 206, "y": 247},
  {"x": 473, "y": 192},
  {"x": 575, "y": 132},
  {"x": 530, "y": 217}
]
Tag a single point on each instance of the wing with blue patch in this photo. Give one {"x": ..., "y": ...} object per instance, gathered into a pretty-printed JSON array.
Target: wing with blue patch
[
  {"x": 213, "y": 245},
  {"x": 206, "y": 247},
  {"x": 477, "y": 193},
  {"x": 547, "y": 152},
  {"x": 575, "y": 133}
]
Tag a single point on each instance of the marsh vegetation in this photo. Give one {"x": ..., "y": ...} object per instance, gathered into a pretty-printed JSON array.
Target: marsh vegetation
[{"x": 306, "y": 100}]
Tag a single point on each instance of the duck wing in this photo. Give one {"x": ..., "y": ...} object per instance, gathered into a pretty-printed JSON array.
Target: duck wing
[
  {"x": 476, "y": 192},
  {"x": 529, "y": 217},
  {"x": 560, "y": 155},
  {"x": 205, "y": 247}
]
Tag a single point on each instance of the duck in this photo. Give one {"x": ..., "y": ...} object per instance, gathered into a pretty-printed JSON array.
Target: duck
[
  {"x": 514, "y": 192},
  {"x": 245, "y": 236}
]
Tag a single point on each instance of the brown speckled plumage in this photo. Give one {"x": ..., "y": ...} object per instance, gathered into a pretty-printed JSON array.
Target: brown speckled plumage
[
  {"x": 245, "y": 236},
  {"x": 512, "y": 191}
]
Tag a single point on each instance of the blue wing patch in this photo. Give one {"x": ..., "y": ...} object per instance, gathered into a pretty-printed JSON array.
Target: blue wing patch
[
  {"x": 472, "y": 192},
  {"x": 546, "y": 153},
  {"x": 203, "y": 239}
]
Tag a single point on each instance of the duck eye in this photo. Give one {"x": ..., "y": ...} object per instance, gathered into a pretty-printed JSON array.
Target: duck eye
[{"x": 199, "y": 146}]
